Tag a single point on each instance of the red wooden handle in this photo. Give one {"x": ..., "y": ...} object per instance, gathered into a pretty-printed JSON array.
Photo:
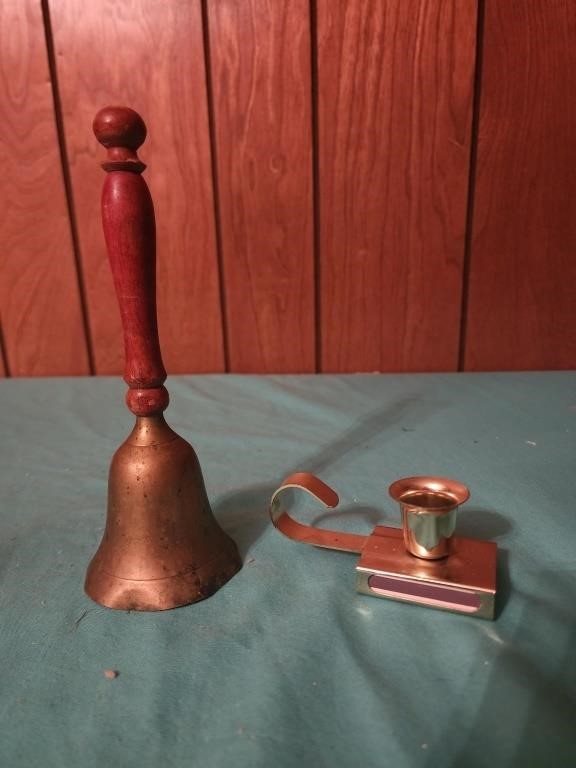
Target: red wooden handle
[{"x": 130, "y": 232}]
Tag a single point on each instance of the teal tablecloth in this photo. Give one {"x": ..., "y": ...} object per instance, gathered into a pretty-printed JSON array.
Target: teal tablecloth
[{"x": 287, "y": 665}]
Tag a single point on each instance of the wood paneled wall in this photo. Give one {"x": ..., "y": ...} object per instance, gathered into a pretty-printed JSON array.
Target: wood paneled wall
[
  {"x": 340, "y": 185},
  {"x": 522, "y": 274},
  {"x": 395, "y": 87}
]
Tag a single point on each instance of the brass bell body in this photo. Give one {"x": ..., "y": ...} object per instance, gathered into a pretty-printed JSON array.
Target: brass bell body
[{"x": 162, "y": 546}]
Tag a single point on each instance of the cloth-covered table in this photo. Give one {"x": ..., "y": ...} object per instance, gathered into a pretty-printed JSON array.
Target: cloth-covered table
[{"x": 287, "y": 665}]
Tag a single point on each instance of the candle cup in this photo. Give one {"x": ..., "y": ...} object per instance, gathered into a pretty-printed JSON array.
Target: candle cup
[{"x": 429, "y": 507}]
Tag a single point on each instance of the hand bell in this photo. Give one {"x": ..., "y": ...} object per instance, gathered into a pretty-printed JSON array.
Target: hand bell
[{"x": 162, "y": 546}]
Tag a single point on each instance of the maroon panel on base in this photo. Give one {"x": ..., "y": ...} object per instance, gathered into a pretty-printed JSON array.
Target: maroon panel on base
[
  {"x": 522, "y": 288},
  {"x": 437, "y": 595}
]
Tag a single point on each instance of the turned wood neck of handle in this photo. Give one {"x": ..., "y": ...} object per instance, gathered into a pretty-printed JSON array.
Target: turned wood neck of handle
[{"x": 130, "y": 233}]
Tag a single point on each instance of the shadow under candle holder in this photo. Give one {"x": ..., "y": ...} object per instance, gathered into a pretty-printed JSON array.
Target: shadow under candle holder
[
  {"x": 242, "y": 513},
  {"x": 477, "y": 523}
]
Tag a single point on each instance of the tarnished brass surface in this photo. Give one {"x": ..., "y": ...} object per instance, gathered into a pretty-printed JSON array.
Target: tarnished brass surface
[{"x": 162, "y": 546}]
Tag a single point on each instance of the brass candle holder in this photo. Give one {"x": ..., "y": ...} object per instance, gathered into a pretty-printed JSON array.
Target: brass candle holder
[{"x": 422, "y": 562}]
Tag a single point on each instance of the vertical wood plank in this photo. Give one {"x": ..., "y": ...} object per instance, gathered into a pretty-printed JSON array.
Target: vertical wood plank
[
  {"x": 522, "y": 287},
  {"x": 395, "y": 84},
  {"x": 261, "y": 72},
  {"x": 3, "y": 370},
  {"x": 149, "y": 55},
  {"x": 41, "y": 311}
]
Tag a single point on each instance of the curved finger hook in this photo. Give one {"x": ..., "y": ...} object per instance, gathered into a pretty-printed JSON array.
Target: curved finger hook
[{"x": 308, "y": 534}]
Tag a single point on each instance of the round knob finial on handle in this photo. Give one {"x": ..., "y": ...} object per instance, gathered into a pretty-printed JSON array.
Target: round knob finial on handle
[{"x": 122, "y": 131}]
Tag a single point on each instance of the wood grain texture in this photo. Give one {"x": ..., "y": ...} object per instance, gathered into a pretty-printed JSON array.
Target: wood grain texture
[
  {"x": 128, "y": 219},
  {"x": 261, "y": 75},
  {"x": 522, "y": 288},
  {"x": 130, "y": 234},
  {"x": 146, "y": 54},
  {"x": 39, "y": 297},
  {"x": 395, "y": 82},
  {"x": 3, "y": 371}
]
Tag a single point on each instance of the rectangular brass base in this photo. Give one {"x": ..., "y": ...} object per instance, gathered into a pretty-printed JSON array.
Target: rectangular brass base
[{"x": 462, "y": 582}]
